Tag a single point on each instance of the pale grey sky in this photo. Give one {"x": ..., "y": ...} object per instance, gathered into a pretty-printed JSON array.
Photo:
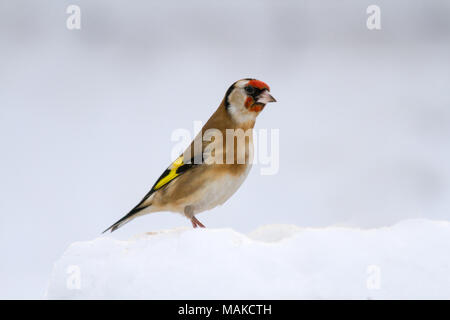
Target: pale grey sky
[{"x": 86, "y": 115}]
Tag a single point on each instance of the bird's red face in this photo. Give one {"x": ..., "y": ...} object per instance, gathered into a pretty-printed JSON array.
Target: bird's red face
[{"x": 246, "y": 98}]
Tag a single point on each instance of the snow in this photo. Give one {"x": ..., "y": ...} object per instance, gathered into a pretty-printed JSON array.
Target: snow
[
  {"x": 407, "y": 260},
  {"x": 87, "y": 117}
]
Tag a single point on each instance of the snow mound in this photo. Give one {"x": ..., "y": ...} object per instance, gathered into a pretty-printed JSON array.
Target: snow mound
[{"x": 408, "y": 260}]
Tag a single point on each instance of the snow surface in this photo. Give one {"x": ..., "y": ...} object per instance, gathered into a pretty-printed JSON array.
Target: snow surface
[
  {"x": 87, "y": 116},
  {"x": 408, "y": 260}
]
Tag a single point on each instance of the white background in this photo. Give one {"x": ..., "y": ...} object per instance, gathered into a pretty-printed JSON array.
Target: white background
[{"x": 86, "y": 116}]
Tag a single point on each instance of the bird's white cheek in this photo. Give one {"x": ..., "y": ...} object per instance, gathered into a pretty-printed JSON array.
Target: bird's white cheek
[{"x": 241, "y": 115}]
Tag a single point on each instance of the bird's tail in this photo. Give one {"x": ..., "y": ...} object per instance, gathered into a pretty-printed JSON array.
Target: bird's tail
[{"x": 127, "y": 218}]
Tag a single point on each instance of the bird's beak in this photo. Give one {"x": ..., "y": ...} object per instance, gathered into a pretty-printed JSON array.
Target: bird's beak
[{"x": 265, "y": 97}]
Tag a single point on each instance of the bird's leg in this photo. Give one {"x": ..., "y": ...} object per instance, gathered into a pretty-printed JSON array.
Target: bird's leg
[
  {"x": 189, "y": 213},
  {"x": 196, "y": 223}
]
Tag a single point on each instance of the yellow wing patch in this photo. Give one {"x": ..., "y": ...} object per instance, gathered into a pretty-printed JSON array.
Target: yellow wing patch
[{"x": 169, "y": 174}]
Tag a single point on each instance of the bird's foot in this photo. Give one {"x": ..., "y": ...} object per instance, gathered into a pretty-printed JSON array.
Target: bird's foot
[{"x": 196, "y": 223}]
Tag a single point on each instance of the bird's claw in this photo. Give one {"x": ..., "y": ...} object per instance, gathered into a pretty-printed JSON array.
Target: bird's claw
[{"x": 196, "y": 223}]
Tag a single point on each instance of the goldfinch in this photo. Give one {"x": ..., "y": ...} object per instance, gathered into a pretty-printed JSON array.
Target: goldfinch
[{"x": 215, "y": 165}]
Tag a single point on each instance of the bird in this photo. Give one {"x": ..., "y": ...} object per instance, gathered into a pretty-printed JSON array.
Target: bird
[{"x": 210, "y": 171}]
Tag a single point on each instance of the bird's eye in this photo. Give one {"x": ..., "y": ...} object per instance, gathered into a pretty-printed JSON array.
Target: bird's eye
[{"x": 249, "y": 90}]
